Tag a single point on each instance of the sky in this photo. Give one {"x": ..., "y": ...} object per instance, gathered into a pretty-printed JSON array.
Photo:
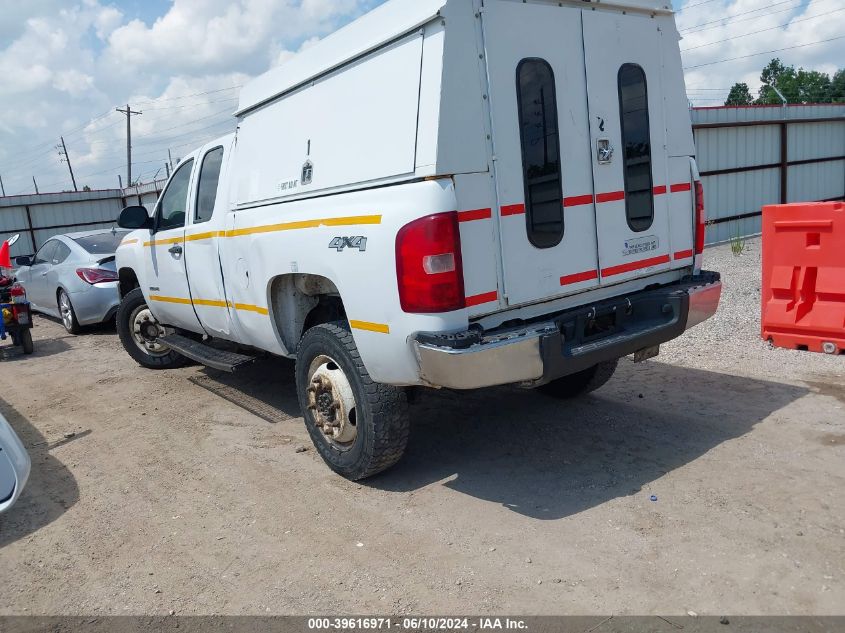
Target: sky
[{"x": 67, "y": 64}]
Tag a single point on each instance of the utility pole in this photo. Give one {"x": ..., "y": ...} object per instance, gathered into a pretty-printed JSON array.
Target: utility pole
[
  {"x": 2, "y": 188},
  {"x": 120, "y": 181},
  {"x": 128, "y": 112},
  {"x": 35, "y": 184},
  {"x": 170, "y": 158},
  {"x": 64, "y": 158},
  {"x": 167, "y": 169}
]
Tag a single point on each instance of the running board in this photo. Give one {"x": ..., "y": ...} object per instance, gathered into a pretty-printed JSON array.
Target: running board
[{"x": 207, "y": 355}]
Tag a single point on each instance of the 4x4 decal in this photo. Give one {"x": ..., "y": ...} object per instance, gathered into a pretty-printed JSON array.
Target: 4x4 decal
[{"x": 341, "y": 243}]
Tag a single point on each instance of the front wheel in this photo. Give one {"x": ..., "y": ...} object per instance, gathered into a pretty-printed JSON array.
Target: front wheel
[
  {"x": 582, "y": 383},
  {"x": 358, "y": 426},
  {"x": 139, "y": 331}
]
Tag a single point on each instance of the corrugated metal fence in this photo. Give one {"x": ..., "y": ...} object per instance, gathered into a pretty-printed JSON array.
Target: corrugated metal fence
[
  {"x": 753, "y": 156},
  {"x": 39, "y": 217}
]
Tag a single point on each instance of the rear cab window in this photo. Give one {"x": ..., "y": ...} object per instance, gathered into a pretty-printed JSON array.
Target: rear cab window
[
  {"x": 636, "y": 147},
  {"x": 541, "y": 164}
]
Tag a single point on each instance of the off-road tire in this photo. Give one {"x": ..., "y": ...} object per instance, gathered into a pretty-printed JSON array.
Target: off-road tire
[
  {"x": 130, "y": 302},
  {"x": 383, "y": 422},
  {"x": 26, "y": 341},
  {"x": 73, "y": 327},
  {"x": 582, "y": 383}
]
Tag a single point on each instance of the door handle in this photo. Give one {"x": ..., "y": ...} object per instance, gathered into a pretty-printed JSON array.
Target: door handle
[{"x": 176, "y": 249}]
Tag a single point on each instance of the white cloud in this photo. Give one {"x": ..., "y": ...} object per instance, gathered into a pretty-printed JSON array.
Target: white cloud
[
  {"x": 729, "y": 29},
  {"x": 65, "y": 62}
]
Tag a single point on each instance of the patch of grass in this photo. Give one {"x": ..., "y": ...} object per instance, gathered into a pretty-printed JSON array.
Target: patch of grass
[{"x": 737, "y": 244}]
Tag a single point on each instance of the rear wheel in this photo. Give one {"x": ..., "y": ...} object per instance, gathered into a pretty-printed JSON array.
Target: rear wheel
[
  {"x": 582, "y": 383},
  {"x": 358, "y": 426},
  {"x": 139, "y": 332},
  {"x": 26, "y": 341},
  {"x": 67, "y": 313}
]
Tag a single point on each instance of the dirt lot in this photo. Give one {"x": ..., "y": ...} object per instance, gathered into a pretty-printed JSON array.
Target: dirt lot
[{"x": 184, "y": 490}]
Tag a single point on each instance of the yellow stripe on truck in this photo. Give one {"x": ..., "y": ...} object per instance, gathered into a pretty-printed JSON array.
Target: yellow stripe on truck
[
  {"x": 305, "y": 224},
  {"x": 381, "y": 328},
  {"x": 270, "y": 228},
  {"x": 251, "y": 308},
  {"x": 211, "y": 303}
]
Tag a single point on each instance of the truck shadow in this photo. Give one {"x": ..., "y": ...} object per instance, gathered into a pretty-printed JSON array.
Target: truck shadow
[
  {"x": 50, "y": 491},
  {"x": 549, "y": 459}
]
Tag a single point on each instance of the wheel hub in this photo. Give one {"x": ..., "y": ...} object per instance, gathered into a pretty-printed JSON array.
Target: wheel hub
[
  {"x": 146, "y": 331},
  {"x": 331, "y": 401}
]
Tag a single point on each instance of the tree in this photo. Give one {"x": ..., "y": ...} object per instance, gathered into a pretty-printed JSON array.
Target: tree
[
  {"x": 799, "y": 86},
  {"x": 86, "y": 188},
  {"x": 837, "y": 87},
  {"x": 739, "y": 95}
]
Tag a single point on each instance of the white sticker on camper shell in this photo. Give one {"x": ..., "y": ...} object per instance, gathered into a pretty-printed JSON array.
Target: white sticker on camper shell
[{"x": 640, "y": 245}]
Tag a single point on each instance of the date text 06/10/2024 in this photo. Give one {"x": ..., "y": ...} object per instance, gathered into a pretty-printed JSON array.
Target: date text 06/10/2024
[{"x": 415, "y": 624}]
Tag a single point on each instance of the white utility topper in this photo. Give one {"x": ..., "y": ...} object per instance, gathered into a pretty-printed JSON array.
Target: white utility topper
[{"x": 445, "y": 193}]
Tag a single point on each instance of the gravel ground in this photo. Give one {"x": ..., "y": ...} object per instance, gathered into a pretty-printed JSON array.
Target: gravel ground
[
  {"x": 187, "y": 491},
  {"x": 731, "y": 341}
]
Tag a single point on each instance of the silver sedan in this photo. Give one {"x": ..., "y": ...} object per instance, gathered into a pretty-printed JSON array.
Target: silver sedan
[{"x": 73, "y": 277}]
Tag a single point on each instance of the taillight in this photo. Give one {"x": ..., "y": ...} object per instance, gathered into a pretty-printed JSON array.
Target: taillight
[
  {"x": 700, "y": 218},
  {"x": 17, "y": 291},
  {"x": 20, "y": 313},
  {"x": 96, "y": 275},
  {"x": 428, "y": 265}
]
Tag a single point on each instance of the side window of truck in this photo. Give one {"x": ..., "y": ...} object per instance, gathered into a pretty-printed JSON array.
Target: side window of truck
[
  {"x": 207, "y": 189},
  {"x": 538, "y": 127},
  {"x": 174, "y": 201},
  {"x": 636, "y": 144}
]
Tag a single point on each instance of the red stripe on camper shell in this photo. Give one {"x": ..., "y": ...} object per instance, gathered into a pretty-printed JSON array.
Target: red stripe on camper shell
[
  {"x": 659, "y": 190},
  {"x": 575, "y": 201},
  {"x": 632, "y": 266},
  {"x": 683, "y": 255},
  {"x": 487, "y": 297},
  {"x": 513, "y": 209},
  {"x": 610, "y": 196},
  {"x": 682, "y": 186},
  {"x": 587, "y": 275},
  {"x": 475, "y": 214}
]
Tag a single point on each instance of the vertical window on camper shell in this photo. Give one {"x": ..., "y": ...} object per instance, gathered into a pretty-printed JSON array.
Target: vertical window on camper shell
[
  {"x": 207, "y": 189},
  {"x": 541, "y": 165},
  {"x": 636, "y": 147}
]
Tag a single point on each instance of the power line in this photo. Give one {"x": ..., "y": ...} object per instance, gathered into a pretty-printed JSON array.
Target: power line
[
  {"x": 732, "y": 17},
  {"x": 693, "y": 6},
  {"x": 777, "y": 50},
  {"x": 771, "y": 28},
  {"x": 195, "y": 94}
]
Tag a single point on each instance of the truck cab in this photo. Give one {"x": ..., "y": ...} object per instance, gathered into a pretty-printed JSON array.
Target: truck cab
[{"x": 445, "y": 193}]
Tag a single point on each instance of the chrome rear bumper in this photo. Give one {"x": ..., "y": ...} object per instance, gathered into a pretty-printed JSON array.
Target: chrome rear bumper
[{"x": 566, "y": 343}]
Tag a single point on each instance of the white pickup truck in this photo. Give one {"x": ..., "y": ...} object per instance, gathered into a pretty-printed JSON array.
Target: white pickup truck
[{"x": 445, "y": 193}]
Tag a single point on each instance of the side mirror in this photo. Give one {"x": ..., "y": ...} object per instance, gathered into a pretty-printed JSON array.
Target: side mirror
[
  {"x": 134, "y": 218},
  {"x": 23, "y": 260}
]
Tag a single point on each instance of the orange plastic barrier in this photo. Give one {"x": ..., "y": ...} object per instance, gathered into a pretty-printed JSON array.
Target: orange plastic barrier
[{"x": 804, "y": 276}]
